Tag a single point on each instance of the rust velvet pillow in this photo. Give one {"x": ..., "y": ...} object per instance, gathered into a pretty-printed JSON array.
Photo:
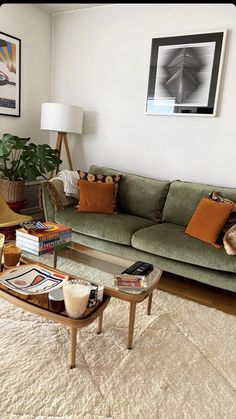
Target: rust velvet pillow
[
  {"x": 208, "y": 220},
  {"x": 115, "y": 179},
  {"x": 95, "y": 197}
]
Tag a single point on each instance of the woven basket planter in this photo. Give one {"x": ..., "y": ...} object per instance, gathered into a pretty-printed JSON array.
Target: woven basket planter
[{"x": 12, "y": 190}]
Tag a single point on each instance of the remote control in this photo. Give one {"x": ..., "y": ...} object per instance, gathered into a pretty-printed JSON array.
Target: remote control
[
  {"x": 131, "y": 268},
  {"x": 138, "y": 268},
  {"x": 144, "y": 269}
]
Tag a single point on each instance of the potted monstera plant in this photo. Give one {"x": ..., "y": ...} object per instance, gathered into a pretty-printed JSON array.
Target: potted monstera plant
[{"x": 22, "y": 161}]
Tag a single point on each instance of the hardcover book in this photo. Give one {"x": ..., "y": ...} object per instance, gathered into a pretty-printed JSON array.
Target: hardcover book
[
  {"x": 55, "y": 231},
  {"x": 48, "y": 244},
  {"x": 40, "y": 244},
  {"x": 36, "y": 252}
]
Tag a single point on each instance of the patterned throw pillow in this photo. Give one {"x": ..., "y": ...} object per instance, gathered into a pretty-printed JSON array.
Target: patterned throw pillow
[
  {"x": 103, "y": 179},
  {"x": 216, "y": 196}
]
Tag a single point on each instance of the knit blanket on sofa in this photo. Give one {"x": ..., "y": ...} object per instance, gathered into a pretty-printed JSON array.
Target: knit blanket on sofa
[
  {"x": 62, "y": 189},
  {"x": 69, "y": 179}
]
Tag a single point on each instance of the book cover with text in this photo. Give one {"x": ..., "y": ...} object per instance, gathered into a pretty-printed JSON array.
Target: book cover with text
[{"x": 54, "y": 232}]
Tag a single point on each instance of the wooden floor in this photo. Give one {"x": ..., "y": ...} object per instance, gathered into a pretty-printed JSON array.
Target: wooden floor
[
  {"x": 201, "y": 293},
  {"x": 174, "y": 284}
]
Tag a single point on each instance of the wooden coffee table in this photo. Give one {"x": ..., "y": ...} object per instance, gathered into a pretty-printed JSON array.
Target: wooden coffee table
[
  {"x": 114, "y": 265},
  {"x": 39, "y": 305}
]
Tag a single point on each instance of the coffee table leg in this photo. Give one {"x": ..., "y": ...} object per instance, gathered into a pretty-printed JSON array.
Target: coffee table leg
[
  {"x": 149, "y": 304},
  {"x": 131, "y": 324},
  {"x": 100, "y": 324},
  {"x": 54, "y": 258},
  {"x": 73, "y": 345}
]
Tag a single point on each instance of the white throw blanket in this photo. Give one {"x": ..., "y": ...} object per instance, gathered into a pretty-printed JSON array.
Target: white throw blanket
[{"x": 69, "y": 179}]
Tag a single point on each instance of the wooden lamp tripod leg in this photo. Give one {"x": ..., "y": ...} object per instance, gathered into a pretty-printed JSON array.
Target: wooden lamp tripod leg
[
  {"x": 58, "y": 148},
  {"x": 64, "y": 136}
]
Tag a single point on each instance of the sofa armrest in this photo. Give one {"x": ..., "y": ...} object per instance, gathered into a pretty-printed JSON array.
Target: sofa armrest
[
  {"x": 46, "y": 203},
  {"x": 53, "y": 198}
]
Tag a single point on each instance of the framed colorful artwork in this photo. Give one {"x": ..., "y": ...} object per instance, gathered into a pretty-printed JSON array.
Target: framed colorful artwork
[
  {"x": 10, "y": 68},
  {"x": 185, "y": 73}
]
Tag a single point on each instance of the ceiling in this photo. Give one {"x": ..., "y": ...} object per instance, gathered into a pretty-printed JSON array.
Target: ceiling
[{"x": 60, "y": 7}]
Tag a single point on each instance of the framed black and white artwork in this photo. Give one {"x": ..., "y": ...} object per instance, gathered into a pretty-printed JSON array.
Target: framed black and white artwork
[{"x": 185, "y": 73}]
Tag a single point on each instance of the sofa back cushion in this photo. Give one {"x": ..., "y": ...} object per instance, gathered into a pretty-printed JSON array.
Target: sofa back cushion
[
  {"x": 138, "y": 195},
  {"x": 184, "y": 197}
]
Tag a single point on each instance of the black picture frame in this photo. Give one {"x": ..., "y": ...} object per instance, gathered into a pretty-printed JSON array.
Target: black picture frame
[
  {"x": 184, "y": 74},
  {"x": 10, "y": 75}
]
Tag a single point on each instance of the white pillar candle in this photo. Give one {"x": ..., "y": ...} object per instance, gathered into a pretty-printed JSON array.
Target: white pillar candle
[{"x": 76, "y": 297}]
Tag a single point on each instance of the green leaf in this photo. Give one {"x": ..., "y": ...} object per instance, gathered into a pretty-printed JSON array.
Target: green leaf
[{"x": 22, "y": 160}]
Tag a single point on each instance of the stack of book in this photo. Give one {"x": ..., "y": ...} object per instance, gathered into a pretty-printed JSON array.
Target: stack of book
[{"x": 39, "y": 243}]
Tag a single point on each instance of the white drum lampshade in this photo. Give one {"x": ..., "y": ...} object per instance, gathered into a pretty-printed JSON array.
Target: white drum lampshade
[{"x": 61, "y": 118}]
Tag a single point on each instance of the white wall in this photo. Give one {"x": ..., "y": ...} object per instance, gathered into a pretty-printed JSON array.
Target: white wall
[
  {"x": 33, "y": 27},
  {"x": 101, "y": 62}
]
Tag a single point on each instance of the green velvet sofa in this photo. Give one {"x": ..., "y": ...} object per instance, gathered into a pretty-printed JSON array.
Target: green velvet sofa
[{"x": 150, "y": 226}]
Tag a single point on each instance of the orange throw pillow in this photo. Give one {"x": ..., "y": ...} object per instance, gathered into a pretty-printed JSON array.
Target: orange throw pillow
[
  {"x": 95, "y": 197},
  {"x": 208, "y": 220},
  {"x": 115, "y": 179}
]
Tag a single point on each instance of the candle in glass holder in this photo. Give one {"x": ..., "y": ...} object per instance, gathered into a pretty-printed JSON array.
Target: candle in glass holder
[
  {"x": 11, "y": 254},
  {"x": 76, "y": 294}
]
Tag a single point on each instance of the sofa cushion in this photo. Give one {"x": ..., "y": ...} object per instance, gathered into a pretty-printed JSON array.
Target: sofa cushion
[
  {"x": 208, "y": 220},
  {"x": 184, "y": 197},
  {"x": 117, "y": 228},
  {"x": 138, "y": 195},
  {"x": 169, "y": 240},
  {"x": 95, "y": 197}
]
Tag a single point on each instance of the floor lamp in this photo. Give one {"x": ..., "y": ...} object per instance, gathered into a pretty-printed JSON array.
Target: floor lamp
[{"x": 63, "y": 119}]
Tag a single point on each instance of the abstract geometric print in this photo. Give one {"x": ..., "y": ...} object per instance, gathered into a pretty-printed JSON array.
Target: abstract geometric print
[
  {"x": 184, "y": 73},
  {"x": 183, "y": 70}
]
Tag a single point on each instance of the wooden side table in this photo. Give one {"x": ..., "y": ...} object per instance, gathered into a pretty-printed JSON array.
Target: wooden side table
[
  {"x": 9, "y": 232},
  {"x": 18, "y": 206}
]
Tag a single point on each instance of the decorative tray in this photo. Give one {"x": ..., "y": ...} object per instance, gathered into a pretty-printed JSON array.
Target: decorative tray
[{"x": 31, "y": 279}]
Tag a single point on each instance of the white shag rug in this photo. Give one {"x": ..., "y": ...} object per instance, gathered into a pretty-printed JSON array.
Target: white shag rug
[{"x": 183, "y": 364}]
